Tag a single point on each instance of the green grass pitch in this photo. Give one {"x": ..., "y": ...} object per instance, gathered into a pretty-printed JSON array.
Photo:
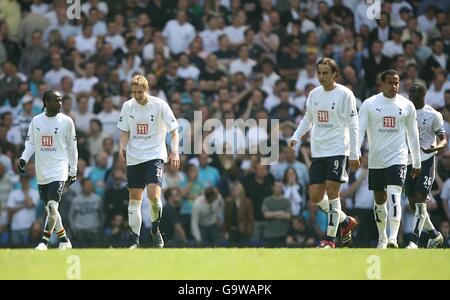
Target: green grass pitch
[{"x": 226, "y": 263}]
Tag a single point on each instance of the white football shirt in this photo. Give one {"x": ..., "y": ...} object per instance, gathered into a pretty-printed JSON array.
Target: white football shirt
[
  {"x": 431, "y": 124},
  {"x": 148, "y": 125},
  {"x": 391, "y": 126},
  {"x": 334, "y": 121},
  {"x": 54, "y": 143}
]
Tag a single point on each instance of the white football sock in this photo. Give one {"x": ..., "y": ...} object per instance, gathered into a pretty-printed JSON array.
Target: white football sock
[
  {"x": 134, "y": 216},
  {"x": 380, "y": 214},
  {"x": 394, "y": 193},
  {"x": 428, "y": 225},
  {"x": 156, "y": 210},
  {"x": 419, "y": 218},
  {"x": 333, "y": 217}
]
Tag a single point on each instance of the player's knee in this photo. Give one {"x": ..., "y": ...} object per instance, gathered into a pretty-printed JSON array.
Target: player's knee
[
  {"x": 52, "y": 206},
  {"x": 136, "y": 194},
  {"x": 316, "y": 197},
  {"x": 333, "y": 189},
  {"x": 380, "y": 197},
  {"x": 394, "y": 189},
  {"x": 420, "y": 197},
  {"x": 153, "y": 193}
]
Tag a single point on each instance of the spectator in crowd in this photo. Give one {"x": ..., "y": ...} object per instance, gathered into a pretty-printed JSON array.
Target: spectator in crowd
[
  {"x": 21, "y": 205},
  {"x": 207, "y": 217},
  {"x": 86, "y": 217},
  {"x": 238, "y": 224},
  {"x": 277, "y": 213},
  {"x": 300, "y": 235},
  {"x": 171, "y": 225}
]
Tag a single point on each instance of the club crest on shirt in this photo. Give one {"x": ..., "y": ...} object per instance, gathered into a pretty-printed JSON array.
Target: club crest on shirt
[
  {"x": 142, "y": 128},
  {"x": 46, "y": 141},
  {"x": 389, "y": 122},
  {"x": 322, "y": 116}
]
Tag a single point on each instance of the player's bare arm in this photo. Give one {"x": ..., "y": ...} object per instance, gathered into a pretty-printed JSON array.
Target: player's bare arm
[
  {"x": 174, "y": 158},
  {"x": 124, "y": 138},
  {"x": 442, "y": 144}
]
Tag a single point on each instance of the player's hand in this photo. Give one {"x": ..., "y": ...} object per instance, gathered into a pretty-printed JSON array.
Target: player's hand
[
  {"x": 292, "y": 144},
  {"x": 354, "y": 164},
  {"x": 415, "y": 173},
  {"x": 72, "y": 180},
  {"x": 428, "y": 151},
  {"x": 174, "y": 160},
  {"x": 21, "y": 166},
  {"x": 123, "y": 154}
]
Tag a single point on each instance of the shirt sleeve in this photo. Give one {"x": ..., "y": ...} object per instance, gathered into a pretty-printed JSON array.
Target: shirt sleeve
[
  {"x": 29, "y": 143},
  {"x": 351, "y": 118},
  {"x": 72, "y": 149},
  {"x": 122, "y": 124},
  {"x": 363, "y": 122},
  {"x": 412, "y": 134},
  {"x": 306, "y": 123},
  {"x": 438, "y": 124},
  {"x": 168, "y": 118}
]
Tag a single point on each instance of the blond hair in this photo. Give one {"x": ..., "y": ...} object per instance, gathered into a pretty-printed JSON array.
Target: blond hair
[{"x": 139, "y": 80}]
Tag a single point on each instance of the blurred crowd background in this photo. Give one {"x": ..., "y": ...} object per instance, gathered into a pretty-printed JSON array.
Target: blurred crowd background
[{"x": 227, "y": 59}]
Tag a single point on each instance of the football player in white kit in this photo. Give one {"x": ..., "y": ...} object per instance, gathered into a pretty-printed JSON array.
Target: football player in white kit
[
  {"x": 144, "y": 122},
  {"x": 390, "y": 121},
  {"x": 332, "y": 117},
  {"x": 51, "y": 137},
  {"x": 431, "y": 125}
]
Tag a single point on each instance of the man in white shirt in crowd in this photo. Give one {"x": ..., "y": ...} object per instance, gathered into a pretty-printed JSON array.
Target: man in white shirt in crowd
[
  {"x": 431, "y": 125},
  {"x": 144, "y": 122},
  {"x": 109, "y": 117},
  {"x": 332, "y": 117},
  {"x": 22, "y": 211},
  {"x": 57, "y": 72},
  {"x": 179, "y": 33},
  {"x": 51, "y": 137},
  {"x": 207, "y": 217},
  {"x": 85, "y": 83},
  {"x": 390, "y": 121}
]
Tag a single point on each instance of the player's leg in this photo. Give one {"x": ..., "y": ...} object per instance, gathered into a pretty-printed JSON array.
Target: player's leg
[
  {"x": 334, "y": 202},
  {"x": 317, "y": 186},
  {"x": 410, "y": 184},
  {"x": 55, "y": 191},
  {"x": 154, "y": 173},
  {"x": 50, "y": 220},
  {"x": 317, "y": 174},
  {"x": 136, "y": 186},
  {"x": 395, "y": 178},
  {"x": 376, "y": 184},
  {"x": 421, "y": 217},
  {"x": 336, "y": 175}
]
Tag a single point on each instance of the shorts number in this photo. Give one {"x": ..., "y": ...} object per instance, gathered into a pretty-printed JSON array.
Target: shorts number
[
  {"x": 428, "y": 181},
  {"x": 336, "y": 165},
  {"x": 403, "y": 174}
]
